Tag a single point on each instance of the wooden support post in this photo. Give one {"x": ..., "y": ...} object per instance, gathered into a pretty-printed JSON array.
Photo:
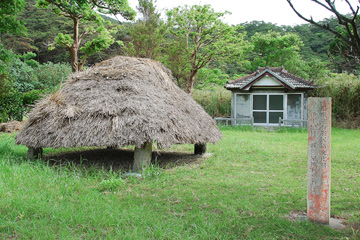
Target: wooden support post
[
  {"x": 142, "y": 157},
  {"x": 34, "y": 153},
  {"x": 200, "y": 148},
  {"x": 319, "y": 160}
]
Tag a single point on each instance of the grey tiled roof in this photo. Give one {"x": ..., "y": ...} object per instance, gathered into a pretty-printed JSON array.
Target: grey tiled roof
[{"x": 288, "y": 80}]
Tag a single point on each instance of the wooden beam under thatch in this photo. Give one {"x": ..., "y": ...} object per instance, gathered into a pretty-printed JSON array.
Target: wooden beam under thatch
[
  {"x": 142, "y": 157},
  {"x": 200, "y": 148},
  {"x": 34, "y": 153}
]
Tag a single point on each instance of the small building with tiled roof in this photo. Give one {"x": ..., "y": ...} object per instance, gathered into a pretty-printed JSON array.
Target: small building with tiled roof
[{"x": 268, "y": 94}]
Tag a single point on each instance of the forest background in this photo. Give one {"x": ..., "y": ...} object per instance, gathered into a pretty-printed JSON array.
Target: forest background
[{"x": 34, "y": 62}]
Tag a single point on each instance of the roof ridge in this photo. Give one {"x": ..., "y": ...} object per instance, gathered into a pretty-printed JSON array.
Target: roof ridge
[{"x": 278, "y": 72}]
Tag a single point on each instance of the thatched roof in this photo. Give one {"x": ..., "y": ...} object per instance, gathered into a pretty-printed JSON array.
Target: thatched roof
[{"x": 119, "y": 102}]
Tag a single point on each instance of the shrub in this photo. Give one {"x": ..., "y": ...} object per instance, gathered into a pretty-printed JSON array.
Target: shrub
[
  {"x": 216, "y": 100},
  {"x": 21, "y": 75},
  {"x": 15, "y": 105},
  {"x": 25, "y": 83},
  {"x": 344, "y": 89},
  {"x": 206, "y": 77},
  {"x": 11, "y": 106},
  {"x": 49, "y": 75},
  {"x": 29, "y": 98},
  {"x": 27, "y": 77}
]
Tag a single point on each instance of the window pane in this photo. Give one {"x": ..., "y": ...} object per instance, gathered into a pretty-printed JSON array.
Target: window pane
[
  {"x": 259, "y": 102},
  {"x": 243, "y": 106},
  {"x": 294, "y": 106},
  {"x": 274, "y": 117},
  {"x": 276, "y": 102},
  {"x": 259, "y": 117}
]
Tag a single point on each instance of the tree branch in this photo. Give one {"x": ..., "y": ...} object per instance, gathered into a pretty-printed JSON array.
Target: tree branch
[
  {"x": 95, "y": 2},
  {"x": 352, "y": 9},
  {"x": 321, "y": 4},
  {"x": 64, "y": 11},
  {"x": 82, "y": 35},
  {"x": 326, "y": 27},
  {"x": 350, "y": 46}
]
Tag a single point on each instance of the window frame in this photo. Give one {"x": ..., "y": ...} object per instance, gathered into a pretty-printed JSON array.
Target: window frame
[
  {"x": 267, "y": 110},
  {"x": 285, "y": 105}
]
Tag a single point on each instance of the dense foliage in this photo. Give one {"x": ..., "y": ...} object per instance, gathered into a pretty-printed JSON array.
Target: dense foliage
[
  {"x": 315, "y": 40},
  {"x": 198, "y": 37},
  {"x": 9, "y": 10},
  {"x": 43, "y": 27},
  {"x": 202, "y": 56},
  {"x": 215, "y": 100},
  {"x": 83, "y": 12},
  {"x": 274, "y": 49},
  {"x": 23, "y": 81},
  {"x": 26, "y": 81},
  {"x": 147, "y": 34},
  {"x": 344, "y": 89}
]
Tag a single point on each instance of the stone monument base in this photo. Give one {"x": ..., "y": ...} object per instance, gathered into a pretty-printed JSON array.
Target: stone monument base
[{"x": 302, "y": 216}]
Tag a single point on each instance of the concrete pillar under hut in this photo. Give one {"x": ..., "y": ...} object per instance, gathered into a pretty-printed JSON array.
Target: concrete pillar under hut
[
  {"x": 34, "y": 153},
  {"x": 142, "y": 157},
  {"x": 200, "y": 148}
]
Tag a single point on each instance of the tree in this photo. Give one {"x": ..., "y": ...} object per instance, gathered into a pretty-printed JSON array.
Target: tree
[
  {"x": 9, "y": 10},
  {"x": 276, "y": 50},
  {"x": 197, "y": 37},
  {"x": 146, "y": 34},
  {"x": 260, "y": 26},
  {"x": 316, "y": 40},
  {"x": 86, "y": 11},
  {"x": 347, "y": 41},
  {"x": 207, "y": 77},
  {"x": 273, "y": 49},
  {"x": 42, "y": 26}
]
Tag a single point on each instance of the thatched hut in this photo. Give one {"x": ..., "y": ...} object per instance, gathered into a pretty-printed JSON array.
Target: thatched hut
[{"x": 119, "y": 102}]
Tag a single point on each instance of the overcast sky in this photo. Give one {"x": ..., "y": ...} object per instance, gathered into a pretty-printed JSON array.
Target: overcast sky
[{"x": 274, "y": 11}]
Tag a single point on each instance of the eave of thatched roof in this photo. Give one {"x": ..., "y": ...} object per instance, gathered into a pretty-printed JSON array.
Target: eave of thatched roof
[{"x": 119, "y": 102}]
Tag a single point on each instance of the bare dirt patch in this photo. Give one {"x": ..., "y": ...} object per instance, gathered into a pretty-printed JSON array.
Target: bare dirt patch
[{"x": 121, "y": 159}]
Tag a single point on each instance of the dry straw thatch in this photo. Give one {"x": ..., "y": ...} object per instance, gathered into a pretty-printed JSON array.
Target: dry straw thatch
[
  {"x": 119, "y": 102},
  {"x": 13, "y": 126}
]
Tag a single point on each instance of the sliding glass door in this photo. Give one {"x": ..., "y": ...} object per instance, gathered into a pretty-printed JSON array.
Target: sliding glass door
[{"x": 267, "y": 108}]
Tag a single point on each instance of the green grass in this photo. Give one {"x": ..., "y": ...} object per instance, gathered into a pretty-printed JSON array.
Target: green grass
[{"x": 245, "y": 190}]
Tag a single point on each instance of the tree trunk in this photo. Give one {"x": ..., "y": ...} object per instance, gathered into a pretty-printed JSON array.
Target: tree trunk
[
  {"x": 74, "y": 59},
  {"x": 73, "y": 50},
  {"x": 191, "y": 81}
]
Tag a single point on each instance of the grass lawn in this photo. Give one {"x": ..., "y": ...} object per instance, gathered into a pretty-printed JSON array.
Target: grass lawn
[{"x": 245, "y": 190}]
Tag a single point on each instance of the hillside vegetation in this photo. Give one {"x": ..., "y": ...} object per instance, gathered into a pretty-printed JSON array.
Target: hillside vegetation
[{"x": 31, "y": 68}]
